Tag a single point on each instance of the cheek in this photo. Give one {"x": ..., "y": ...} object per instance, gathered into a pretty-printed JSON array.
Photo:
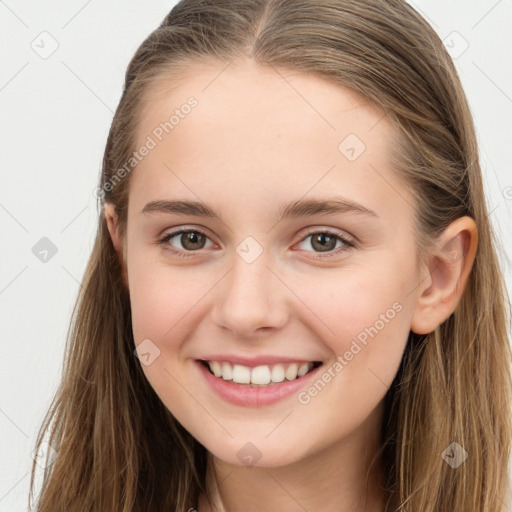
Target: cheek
[
  {"x": 364, "y": 316},
  {"x": 164, "y": 306},
  {"x": 162, "y": 296},
  {"x": 369, "y": 315}
]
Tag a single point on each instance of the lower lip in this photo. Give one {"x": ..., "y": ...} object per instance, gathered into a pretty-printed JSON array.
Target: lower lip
[{"x": 241, "y": 394}]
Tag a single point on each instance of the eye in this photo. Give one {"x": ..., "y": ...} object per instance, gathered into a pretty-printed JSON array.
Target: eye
[
  {"x": 325, "y": 242},
  {"x": 191, "y": 240}
]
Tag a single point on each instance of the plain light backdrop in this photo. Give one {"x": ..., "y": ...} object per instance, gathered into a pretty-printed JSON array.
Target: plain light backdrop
[{"x": 63, "y": 66}]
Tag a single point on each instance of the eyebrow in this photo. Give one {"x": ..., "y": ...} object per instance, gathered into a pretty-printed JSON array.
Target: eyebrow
[{"x": 299, "y": 208}]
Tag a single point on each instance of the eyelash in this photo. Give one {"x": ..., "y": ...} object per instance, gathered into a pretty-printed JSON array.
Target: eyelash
[{"x": 348, "y": 244}]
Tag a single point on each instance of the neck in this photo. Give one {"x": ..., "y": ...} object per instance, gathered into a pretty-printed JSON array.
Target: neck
[{"x": 337, "y": 478}]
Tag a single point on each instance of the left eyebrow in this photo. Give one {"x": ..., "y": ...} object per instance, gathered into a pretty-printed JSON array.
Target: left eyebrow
[
  {"x": 299, "y": 208},
  {"x": 332, "y": 205}
]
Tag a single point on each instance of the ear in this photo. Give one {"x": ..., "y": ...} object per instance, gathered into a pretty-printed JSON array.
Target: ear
[
  {"x": 445, "y": 275},
  {"x": 112, "y": 221}
]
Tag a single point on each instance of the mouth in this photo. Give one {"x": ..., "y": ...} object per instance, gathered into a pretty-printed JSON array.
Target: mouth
[{"x": 259, "y": 376}]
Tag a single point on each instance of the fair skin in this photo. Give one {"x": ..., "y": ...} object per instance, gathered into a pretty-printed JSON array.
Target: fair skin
[{"x": 255, "y": 141}]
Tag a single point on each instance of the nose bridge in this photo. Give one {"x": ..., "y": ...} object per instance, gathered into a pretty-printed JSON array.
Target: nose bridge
[{"x": 251, "y": 297}]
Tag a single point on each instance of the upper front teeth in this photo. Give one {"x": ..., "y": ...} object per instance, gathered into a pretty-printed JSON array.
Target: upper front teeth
[{"x": 259, "y": 374}]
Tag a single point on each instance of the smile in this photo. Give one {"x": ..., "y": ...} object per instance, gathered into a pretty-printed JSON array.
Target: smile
[
  {"x": 258, "y": 385},
  {"x": 262, "y": 375}
]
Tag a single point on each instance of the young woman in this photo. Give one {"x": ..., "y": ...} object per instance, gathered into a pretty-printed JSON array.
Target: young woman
[{"x": 294, "y": 300}]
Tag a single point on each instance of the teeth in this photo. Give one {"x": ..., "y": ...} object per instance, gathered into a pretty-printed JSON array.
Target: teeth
[
  {"x": 291, "y": 371},
  {"x": 259, "y": 375},
  {"x": 227, "y": 371},
  {"x": 241, "y": 374},
  {"x": 277, "y": 373},
  {"x": 303, "y": 369},
  {"x": 216, "y": 368}
]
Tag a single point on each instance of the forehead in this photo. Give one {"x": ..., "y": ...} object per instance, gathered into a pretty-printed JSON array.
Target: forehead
[
  {"x": 268, "y": 96},
  {"x": 264, "y": 130}
]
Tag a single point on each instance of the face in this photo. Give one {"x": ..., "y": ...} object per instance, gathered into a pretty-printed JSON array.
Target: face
[{"x": 271, "y": 284}]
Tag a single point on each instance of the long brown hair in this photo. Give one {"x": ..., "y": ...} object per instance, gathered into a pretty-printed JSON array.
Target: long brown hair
[{"x": 117, "y": 447}]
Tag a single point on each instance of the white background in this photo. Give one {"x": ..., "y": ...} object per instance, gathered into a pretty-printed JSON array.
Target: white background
[{"x": 56, "y": 113}]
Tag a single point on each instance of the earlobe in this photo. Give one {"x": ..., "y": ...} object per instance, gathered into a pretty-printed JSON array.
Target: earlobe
[{"x": 443, "y": 281}]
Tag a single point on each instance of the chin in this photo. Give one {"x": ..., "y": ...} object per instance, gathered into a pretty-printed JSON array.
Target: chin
[{"x": 257, "y": 454}]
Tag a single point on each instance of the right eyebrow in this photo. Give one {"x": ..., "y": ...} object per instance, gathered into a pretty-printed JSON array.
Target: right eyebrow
[{"x": 195, "y": 208}]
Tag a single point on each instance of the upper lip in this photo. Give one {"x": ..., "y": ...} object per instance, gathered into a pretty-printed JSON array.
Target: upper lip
[{"x": 255, "y": 361}]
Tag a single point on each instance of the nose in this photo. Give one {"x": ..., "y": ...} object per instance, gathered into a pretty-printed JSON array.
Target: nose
[{"x": 251, "y": 299}]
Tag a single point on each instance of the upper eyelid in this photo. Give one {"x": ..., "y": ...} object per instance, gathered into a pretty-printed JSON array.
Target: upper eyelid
[{"x": 334, "y": 231}]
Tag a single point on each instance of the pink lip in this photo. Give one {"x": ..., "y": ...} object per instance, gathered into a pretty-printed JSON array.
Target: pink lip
[
  {"x": 240, "y": 394},
  {"x": 251, "y": 362}
]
